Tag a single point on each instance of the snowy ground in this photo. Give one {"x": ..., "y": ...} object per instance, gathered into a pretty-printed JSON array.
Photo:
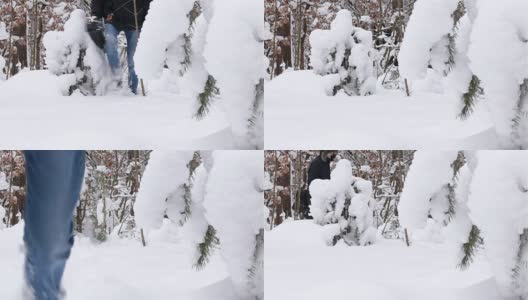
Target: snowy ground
[
  {"x": 122, "y": 269},
  {"x": 298, "y": 265},
  {"x": 299, "y": 115},
  {"x": 34, "y": 114}
]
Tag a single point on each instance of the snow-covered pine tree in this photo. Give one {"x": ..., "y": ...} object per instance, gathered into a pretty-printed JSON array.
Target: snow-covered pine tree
[
  {"x": 178, "y": 58},
  {"x": 344, "y": 55},
  {"x": 443, "y": 48},
  {"x": 206, "y": 65},
  {"x": 241, "y": 84},
  {"x": 460, "y": 42},
  {"x": 497, "y": 201},
  {"x": 438, "y": 201},
  {"x": 219, "y": 183},
  {"x": 72, "y": 55},
  {"x": 430, "y": 194},
  {"x": 233, "y": 201},
  {"x": 345, "y": 202},
  {"x": 500, "y": 57}
]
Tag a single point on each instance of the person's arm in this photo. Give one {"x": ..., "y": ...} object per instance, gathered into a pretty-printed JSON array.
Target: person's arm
[{"x": 97, "y": 8}]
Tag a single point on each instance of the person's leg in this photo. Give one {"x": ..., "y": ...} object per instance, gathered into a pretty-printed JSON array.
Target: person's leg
[
  {"x": 54, "y": 180},
  {"x": 132, "y": 40},
  {"x": 111, "y": 34}
]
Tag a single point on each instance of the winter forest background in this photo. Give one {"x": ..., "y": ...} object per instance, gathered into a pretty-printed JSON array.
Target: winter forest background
[
  {"x": 112, "y": 181},
  {"x": 292, "y": 21},
  {"x": 286, "y": 173},
  {"x": 428, "y": 61},
  {"x": 457, "y": 218}
]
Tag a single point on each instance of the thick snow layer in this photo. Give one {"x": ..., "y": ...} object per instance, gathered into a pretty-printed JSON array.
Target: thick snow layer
[
  {"x": 429, "y": 23},
  {"x": 233, "y": 204},
  {"x": 123, "y": 269},
  {"x": 161, "y": 37},
  {"x": 300, "y": 266},
  {"x": 166, "y": 171},
  {"x": 299, "y": 115},
  {"x": 429, "y": 172},
  {"x": 498, "y": 206},
  {"x": 52, "y": 121}
]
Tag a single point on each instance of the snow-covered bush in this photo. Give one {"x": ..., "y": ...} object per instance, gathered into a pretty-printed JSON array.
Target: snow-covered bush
[
  {"x": 344, "y": 55},
  {"x": 207, "y": 64},
  {"x": 345, "y": 202},
  {"x": 74, "y": 57},
  {"x": 217, "y": 198}
]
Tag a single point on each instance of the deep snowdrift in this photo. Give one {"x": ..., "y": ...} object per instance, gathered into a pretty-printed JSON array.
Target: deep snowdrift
[
  {"x": 34, "y": 114},
  {"x": 123, "y": 269},
  {"x": 300, "y": 266},
  {"x": 299, "y": 115}
]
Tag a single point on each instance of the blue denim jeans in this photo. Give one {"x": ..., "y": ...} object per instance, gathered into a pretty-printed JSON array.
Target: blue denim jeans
[
  {"x": 111, "y": 33},
  {"x": 53, "y": 183}
]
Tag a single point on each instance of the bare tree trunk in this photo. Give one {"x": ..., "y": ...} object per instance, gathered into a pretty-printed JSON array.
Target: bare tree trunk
[
  {"x": 407, "y": 88},
  {"x": 299, "y": 183},
  {"x": 274, "y": 199},
  {"x": 10, "y": 41},
  {"x": 38, "y": 38},
  {"x": 274, "y": 45},
  {"x": 298, "y": 32}
]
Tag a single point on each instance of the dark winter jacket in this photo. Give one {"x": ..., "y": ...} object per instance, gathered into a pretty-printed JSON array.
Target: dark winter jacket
[
  {"x": 319, "y": 169},
  {"x": 122, "y": 12}
]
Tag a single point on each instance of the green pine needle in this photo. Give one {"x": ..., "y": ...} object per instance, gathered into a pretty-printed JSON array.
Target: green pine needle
[
  {"x": 470, "y": 98},
  {"x": 205, "y": 98},
  {"x": 257, "y": 254},
  {"x": 207, "y": 247},
  {"x": 187, "y": 37},
  {"x": 521, "y": 263},
  {"x": 187, "y": 187},
  {"x": 470, "y": 248}
]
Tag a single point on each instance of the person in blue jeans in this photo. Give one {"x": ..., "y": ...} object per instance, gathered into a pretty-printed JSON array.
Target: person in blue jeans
[
  {"x": 121, "y": 16},
  {"x": 53, "y": 184}
]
